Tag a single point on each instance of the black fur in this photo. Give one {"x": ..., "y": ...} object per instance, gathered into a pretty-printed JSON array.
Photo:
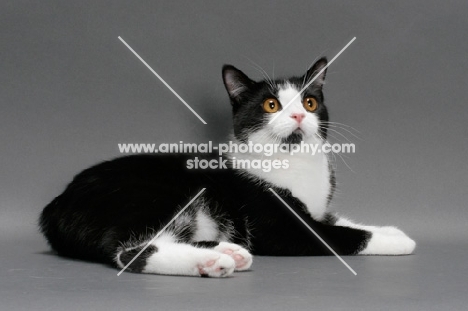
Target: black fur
[{"x": 140, "y": 262}]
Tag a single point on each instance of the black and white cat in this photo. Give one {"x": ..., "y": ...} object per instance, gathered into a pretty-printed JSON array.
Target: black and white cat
[{"x": 110, "y": 212}]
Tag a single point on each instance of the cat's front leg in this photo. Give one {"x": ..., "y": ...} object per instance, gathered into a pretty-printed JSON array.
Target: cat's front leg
[{"x": 385, "y": 240}]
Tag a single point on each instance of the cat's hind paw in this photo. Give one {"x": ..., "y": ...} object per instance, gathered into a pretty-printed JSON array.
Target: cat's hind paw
[
  {"x": 220, "y": 265},
  {"x": 243, "y": 259}
]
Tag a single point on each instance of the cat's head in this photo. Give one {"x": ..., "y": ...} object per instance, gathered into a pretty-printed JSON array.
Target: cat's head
[{"x": 255, "y": 104}]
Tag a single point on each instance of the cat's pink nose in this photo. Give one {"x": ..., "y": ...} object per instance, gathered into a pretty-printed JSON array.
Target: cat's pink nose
[{"x": 298, "y": 116}]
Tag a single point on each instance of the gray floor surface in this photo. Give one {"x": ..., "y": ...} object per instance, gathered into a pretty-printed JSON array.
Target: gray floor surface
[{"x": 434, "y": 278}]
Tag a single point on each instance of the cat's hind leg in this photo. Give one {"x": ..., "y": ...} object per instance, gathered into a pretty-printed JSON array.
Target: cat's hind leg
[{"x": 166, "y": 256}]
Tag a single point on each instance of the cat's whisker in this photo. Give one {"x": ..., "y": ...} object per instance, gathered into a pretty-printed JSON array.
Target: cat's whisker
[
  {"x": 334, "y": 137},
  {"x": 329, "y": 133},
  {"x": 345, "y": 156},
  {"x": 331, "y": 157},
  {"x": 304, "y": 82},
  {"x": 348, "y": 129},
  {"x": 268, "y": 80},
  {"x": 335, "y": 131},
  {"x": 344, "y": 129},
  {"x": 335, "y": 128},
  {"x": 342, "y": 159},
  {"x": 337, "y": 153},
  {"x": 342, "y": 124},
  {"x": 273, "y": 72}
]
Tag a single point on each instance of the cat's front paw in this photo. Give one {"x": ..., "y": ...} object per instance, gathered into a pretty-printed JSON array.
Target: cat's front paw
[
  {"x": 393, "y": 242},
  {"x": 241, "y": 256},
  {"x": 219, "y": 265}
]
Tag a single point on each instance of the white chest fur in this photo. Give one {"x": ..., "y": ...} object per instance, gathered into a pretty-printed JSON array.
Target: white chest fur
[{"x": 307, "y": 177}]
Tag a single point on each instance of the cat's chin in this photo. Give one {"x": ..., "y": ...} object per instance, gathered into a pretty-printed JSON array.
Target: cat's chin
[{"x": 294, "y": 138}]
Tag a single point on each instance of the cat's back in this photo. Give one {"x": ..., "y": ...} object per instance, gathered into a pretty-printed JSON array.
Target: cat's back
[
  {"x": 137, "y": 176},
  {"x": 140, "y": 170}
]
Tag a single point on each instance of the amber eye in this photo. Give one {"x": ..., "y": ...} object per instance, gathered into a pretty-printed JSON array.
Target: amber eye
[
  {"x": 271, "y": 105},
  {"x": 310, "y": 104}
]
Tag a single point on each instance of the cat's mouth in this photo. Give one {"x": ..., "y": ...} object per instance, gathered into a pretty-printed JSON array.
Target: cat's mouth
[{"x": 294, "y": 138}]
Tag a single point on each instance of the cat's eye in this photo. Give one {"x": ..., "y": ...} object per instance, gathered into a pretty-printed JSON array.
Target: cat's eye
[
  {"x": 310, "y": 104},
  {"x": 271, "y": 105}
]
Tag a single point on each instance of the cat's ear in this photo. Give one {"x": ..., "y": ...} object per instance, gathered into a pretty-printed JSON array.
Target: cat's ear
[
  {"x": 314, "y": 70},
  {"x": 235, "y": 81}
]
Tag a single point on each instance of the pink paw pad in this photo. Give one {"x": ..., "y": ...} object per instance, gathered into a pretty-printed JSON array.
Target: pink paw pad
[
  {"x": 241, "y": 256},
  {"x": 222, "y": 266},
  {"x": 238, "y": 257}
]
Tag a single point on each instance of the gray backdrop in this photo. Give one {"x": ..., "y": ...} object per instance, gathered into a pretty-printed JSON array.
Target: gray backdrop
[{"x": 71, "y": 91}]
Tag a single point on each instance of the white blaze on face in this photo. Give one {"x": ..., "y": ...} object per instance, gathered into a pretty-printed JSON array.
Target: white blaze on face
[{"x": 286, "y": 93}]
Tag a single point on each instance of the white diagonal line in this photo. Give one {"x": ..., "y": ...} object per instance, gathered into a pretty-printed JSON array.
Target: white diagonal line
[
  {"x": 160, "y": 232},
  {"x": 310, "y": 82},
  {"x": 162, "y": 80},
  {"x": 315, "y": 233}
]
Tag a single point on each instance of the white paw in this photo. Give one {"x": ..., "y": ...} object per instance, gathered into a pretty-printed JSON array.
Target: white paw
[
  {"x": 217, "y": 265},
  {"x": 389, "y": 243},
  {"x": 241, "y": 256}
]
